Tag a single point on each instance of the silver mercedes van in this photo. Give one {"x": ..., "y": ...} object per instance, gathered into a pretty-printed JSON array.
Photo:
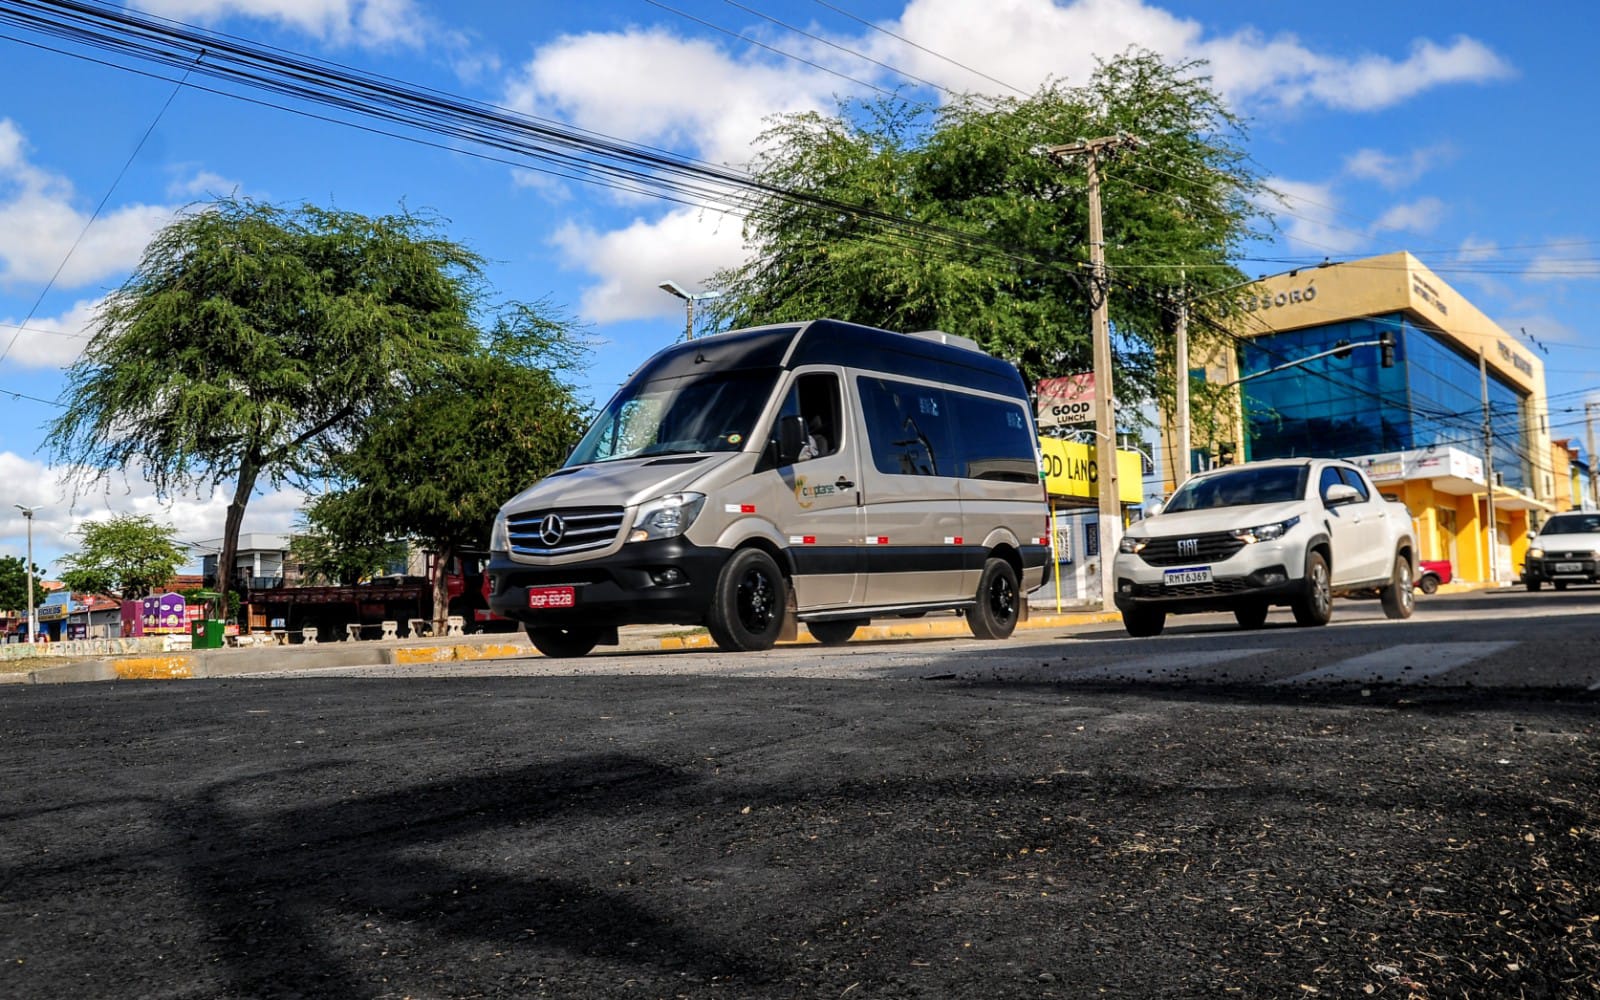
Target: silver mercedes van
[{"x": 821, "y": 473}]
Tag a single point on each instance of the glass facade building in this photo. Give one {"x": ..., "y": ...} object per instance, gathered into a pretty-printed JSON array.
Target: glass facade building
[{"x": 1345, "y": 407}]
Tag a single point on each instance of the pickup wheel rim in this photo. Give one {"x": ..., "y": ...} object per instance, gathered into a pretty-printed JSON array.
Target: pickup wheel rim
[
  {"x": 1402, "y": 581},
  {"x": 1321, "y": 595}
]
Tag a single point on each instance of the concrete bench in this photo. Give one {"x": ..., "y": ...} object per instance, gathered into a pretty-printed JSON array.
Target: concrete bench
[
  {"x": 280, "y": 637},
  {"x": 419, "y": 626},
  {"x": 455, "y": 625},
  {"x": 352, "y": 632},
  {"x": 308, "y": 635}
]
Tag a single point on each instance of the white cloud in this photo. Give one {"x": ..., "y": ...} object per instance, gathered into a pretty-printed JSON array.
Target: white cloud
[
  {"x": 1417, "y": 217},
  {"x": 203, "y": 184},
  {"x": 370, "y": 23},
  {"x": 685, "y": 246},
  {"x": 1567, "y": 259},
  {"x": 52, "y": 341},
  {"x": 39, "y": 225},
  {"x": 1023, "y": 42},
  {"x": 1309, "y": 215},
  {"x": 1395, "y": 172}
]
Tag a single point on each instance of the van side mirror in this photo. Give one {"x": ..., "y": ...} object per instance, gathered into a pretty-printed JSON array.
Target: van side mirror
[{"x": 791, "y": 438}]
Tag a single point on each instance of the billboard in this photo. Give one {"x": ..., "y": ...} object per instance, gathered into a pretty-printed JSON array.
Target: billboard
[{"x": 1066, "y": 400}]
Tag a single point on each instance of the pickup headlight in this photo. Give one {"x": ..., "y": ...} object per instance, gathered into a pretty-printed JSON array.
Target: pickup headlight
[
  {"x": 1266, "y": 532},
  {"x": 1536, "y": 553},
  {"x": 666, "y": 517},
  {"x": 1131, "y": 544},
  {"x": 499, "y": 535}
]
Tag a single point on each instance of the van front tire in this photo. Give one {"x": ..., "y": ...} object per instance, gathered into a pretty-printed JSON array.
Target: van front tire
[
  {"x": 563, "y": 643},
  {"x": 994, "y": 616},
  {"x": 748, "y": 604},
  {"x": 832, "y": 633}
]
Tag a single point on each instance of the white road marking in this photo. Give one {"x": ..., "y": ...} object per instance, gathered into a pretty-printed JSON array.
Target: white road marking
[{"x": 1412, "y": 663}]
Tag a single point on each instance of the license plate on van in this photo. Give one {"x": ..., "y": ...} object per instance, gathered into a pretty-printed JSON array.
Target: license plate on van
[
  {"x": 1189, "y": 574},
  {"x": 540, "y": 598}
]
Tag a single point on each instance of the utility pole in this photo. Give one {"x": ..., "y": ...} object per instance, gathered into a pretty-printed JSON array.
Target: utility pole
[
  {"x": 1488, "y": 471},
  {"x": 27, "y": 512},
  {"x": 1594, "y": 480},
  {"x": 1105, "y": 418},
  {"x": 1180, "y": 418}
]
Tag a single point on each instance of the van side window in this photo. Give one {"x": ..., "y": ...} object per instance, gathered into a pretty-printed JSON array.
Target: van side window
[
  {"x": 815, "y": 397},
  {"x": 908, "y": 428},
  {"x": 996, "y": 439}
]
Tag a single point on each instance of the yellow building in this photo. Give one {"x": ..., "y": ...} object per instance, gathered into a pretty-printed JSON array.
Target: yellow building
[{"x": 1423, "y": 371}]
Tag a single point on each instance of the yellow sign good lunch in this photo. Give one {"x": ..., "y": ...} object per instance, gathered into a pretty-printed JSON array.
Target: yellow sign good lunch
[{"x": 1071, "y": 470}]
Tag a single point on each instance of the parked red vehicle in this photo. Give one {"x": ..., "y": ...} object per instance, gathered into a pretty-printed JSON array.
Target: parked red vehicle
[{"x": 1431, "y": 573}]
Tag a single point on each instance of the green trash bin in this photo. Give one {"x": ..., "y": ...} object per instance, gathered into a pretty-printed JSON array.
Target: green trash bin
[{"x": 205, "y": 633}]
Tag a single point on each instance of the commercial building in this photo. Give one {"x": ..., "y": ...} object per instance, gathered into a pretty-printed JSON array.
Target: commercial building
[{"x": 1417, "y": 423}]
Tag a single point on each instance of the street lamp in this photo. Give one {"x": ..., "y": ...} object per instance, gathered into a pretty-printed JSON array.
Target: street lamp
[
  {"x": 27, "y": 512},
  {"x": 689, "y": 299}
]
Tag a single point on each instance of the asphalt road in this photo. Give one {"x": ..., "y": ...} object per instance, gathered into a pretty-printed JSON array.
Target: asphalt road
[{"x": 1209, "y": 813}]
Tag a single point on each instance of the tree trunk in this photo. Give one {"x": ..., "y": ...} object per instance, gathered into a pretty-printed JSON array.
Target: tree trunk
[
  {"x": 441, "y": 587},
  {"x": 230, "y": 534}
]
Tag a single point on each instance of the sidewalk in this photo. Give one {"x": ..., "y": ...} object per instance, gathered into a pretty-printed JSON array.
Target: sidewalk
[{"x": 191, "y": 664}]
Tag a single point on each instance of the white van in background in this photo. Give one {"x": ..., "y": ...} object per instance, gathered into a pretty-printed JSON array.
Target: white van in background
[{"x": 817, "y": 472}]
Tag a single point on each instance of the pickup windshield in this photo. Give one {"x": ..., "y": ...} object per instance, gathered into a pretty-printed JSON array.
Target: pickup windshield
[
  {"x": 1572, "y": 524},
  {"x": 1240, "y": 488},
  {"x": 678, "y": 416}
]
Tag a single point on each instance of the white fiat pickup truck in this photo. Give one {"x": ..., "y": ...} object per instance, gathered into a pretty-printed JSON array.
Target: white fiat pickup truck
[{"x": 1294, "y": 532}]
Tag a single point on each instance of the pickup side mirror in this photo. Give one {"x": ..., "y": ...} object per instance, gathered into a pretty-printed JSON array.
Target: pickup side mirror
[
  {"x": 1339, "y": 494},
  {"x": 791, "y": 438}
]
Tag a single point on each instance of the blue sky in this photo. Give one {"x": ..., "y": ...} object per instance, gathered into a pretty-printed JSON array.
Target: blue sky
[{"x": 1456, "y": 131}]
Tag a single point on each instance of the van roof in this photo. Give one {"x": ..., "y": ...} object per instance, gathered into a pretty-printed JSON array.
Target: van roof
[{"x": 926, "y": 354}]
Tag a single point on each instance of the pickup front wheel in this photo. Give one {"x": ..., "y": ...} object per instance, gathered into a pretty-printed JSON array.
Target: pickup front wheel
[
  {"x": 1314, "y": 606},
  {"x": 1398, "y": 598}
]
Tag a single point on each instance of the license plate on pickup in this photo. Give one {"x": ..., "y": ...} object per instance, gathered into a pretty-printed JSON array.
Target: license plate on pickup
[
  {"x": 1568, "y": 568},
  {"x": 541, "y": 598},
  {"x": 1189, "y": 574}
]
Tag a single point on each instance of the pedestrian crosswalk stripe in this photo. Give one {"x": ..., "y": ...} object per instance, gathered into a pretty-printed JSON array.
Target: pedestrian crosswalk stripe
[
  {"x": 1410, "y": 663},
  {"x": 1165, "y": 666}
]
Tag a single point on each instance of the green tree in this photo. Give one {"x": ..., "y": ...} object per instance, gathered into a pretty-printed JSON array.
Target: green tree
[
  {"x": 326, "y": 560},
  {"x": 253, "y": 341},
  {"x": 127, "y": 556},
  {"x": 14, "y": 583},
  {"x": 1000, "y": 249},
  {"x": 434, "y": 468}
]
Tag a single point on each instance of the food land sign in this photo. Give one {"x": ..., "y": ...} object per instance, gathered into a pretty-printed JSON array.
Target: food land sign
[{"x": 1068, "y": 400}]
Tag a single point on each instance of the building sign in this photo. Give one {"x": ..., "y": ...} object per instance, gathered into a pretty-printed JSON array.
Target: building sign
[
  {"x": 1422, "y": 463},
  {"x": 1068, "y": 400},
  {"x": 1427, "y": 293},
  {"x": 1518, "y": 362},
  {"x": 1277, "y": 300},
  {"x": 1071, "y": 470}
]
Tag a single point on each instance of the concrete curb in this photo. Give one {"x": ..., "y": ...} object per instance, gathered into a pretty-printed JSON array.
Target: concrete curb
[{"x": 215, "y": 663}]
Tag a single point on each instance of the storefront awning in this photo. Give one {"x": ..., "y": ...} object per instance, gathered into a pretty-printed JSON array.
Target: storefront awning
[{"x": 1509, "y": 499}]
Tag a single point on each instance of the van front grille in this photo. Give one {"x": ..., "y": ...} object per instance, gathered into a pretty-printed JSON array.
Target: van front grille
[{"x": 563, "y": 531}]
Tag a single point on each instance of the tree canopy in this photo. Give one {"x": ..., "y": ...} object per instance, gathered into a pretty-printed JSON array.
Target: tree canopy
[
  {"x": 253, "y": 341},
  {"x": 434, "y": 468},
  {"x": 955, "y": 219},
  {"x": 14, "y": 583},
  {"x": 126, "y": 556}
]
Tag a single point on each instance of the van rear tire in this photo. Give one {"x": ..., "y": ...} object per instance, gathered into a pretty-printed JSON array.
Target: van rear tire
[
  {"x": 747, "y": 605},
  {"x": 994, "y": 616},
  {"x": 833, "y": 633}
]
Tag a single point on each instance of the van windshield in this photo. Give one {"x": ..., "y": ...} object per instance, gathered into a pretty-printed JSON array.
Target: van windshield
[{"x": 678, "y": 416}]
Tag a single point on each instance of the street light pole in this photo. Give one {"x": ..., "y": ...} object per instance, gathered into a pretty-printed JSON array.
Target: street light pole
[
  {"x": 689, "y": 299},
  {"x": 27, "y": 512}
]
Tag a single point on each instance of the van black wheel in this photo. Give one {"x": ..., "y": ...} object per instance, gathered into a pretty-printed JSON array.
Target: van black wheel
[
  {"x": 747, "y": 606},
  {"x": 1314, "y": 604},
  {"x": 1399, "y": 597},
  {"x": 994, "y": 616},
  {"x": 832, "y": 633},
  {"x": 1252, "y": 615},
  {"x": 1142, "y": 623},
  {"x": 562, "y": 643}
]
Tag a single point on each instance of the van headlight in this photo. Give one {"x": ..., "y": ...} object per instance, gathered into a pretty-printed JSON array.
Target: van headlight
[
  {"x": 666, "y": 517},
  {"x": 1131, "y": 544},
  {"x": 1267, "y": 532},
  {"x": 499, "y": 535}
]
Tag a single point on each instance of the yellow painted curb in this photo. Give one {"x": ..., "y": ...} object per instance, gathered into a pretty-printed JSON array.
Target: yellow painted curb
[
  {"x": 447, "y": 654},
  {"x": 153, "y": 668}
]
